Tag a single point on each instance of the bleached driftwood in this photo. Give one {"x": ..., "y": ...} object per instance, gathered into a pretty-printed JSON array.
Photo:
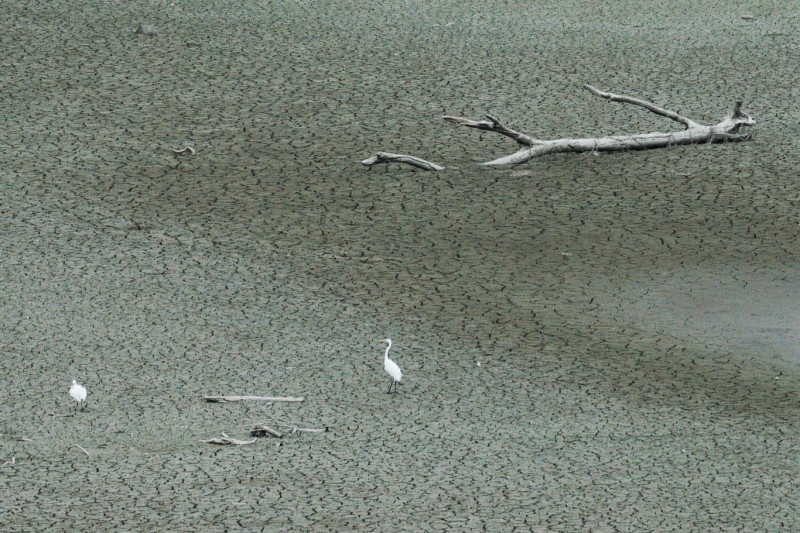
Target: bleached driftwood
[
  {"x": 227, "y": 441},
  {"x": 220, "y": 399},
  {"x": 493, "y": 124},
  {"x": 694, "y": 133},
  {"x": 81, "y": 448},
  {"x": 386, "y": 157},
  {"x": 185, "y": 150},
  {"x": 261, "y": 430}
]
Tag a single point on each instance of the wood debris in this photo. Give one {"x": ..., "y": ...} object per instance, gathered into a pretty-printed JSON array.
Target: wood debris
[
  {"x": 386, "y": 157},
  {"x": 81, "y": 449},
  {"x": 185, "y": 150},
  {"x": 227, "y": 441},
  {"x": 261, "y": 430}
]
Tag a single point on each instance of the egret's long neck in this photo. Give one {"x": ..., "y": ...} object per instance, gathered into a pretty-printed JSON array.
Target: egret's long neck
[{"x": 386, "y": 353}]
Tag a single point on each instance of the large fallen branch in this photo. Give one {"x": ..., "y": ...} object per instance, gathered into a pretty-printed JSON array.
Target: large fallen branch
[{"x": 694, "y": 133}]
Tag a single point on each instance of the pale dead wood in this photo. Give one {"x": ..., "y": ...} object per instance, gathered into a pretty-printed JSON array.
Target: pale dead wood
[
  {"x": 611, "y": 97},
  {"x": 81, "y": 448},
  {"x": 386, "y": 157},
  {"x": 728, "y": 130},
  {"x": 227, "y": 441},
  {"x": 493, "y": 124},
  {"x": 12, "y": 461},
  {"x": 261, "y": 430},
  {"x": 220, "y": 399},
  {"x": 187, "y": 149}
]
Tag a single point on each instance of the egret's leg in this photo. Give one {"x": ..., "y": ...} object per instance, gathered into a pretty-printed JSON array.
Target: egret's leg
[{"x": 390, "y": 387}]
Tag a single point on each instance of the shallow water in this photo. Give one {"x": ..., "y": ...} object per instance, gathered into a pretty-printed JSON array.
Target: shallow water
[{"x": 633, "y": 313}]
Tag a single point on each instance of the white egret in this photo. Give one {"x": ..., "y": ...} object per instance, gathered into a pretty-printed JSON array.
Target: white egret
[
  {"x": 391, "y": 367},
  {"x": 78, "y": 393}
]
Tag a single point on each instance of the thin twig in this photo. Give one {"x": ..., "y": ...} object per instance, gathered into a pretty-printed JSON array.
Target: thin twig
[
  {"x": 184, "y": 150},
  {"x": 81, "y": 448},
  {"x": 11, "y": 462}
]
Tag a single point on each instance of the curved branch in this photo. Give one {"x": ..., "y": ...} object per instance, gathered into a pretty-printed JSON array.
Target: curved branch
[{"x": 611, "y": 97}]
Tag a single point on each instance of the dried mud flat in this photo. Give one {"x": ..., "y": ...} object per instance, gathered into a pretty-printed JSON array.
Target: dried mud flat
[{"x": 635, "y": 315}]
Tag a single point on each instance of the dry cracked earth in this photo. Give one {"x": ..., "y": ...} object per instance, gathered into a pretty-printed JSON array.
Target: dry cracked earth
[{"x": 635, "y": 315}]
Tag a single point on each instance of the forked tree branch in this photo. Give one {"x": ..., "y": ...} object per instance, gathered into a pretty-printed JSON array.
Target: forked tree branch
[
  {"x": 493, "y": 124},
  {"x": 726, "y": 131}
]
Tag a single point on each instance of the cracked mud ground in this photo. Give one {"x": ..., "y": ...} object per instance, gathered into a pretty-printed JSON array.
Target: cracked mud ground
[{"x": 635, "y": 315}]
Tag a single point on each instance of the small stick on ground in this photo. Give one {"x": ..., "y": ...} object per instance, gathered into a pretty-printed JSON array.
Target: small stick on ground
[
  {"x": 81, "y": 448},
  {"x": 386, "y": 157},
  {"x": 226, "y": 441},
  {"x": 11, "y": 462},
  {"x": 220, "y": 399},
  {"x": 184, "y": 150},
  {"x": 261, "y": 430}
]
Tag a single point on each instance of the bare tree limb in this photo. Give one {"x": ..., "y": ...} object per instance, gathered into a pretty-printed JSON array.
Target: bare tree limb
[
  {"x": 386, "y": 157},
  {"x": 221, "y": 399},
  {"x": 726, "y": 131},
  {"x": 611, "y": 97},
  {"x": 493, "y": 124}
]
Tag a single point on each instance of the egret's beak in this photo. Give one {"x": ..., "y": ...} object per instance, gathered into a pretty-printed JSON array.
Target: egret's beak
[{"x": 384, "y": 341}]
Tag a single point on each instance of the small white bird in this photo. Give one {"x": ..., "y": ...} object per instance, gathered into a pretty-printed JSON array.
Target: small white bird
[
  {"x": 78, "y": 393},
  {"x": 391, "y": 367}
]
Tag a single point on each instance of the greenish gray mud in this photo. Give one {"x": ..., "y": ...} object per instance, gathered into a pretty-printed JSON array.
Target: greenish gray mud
[{"x": 634, "y": 315}]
